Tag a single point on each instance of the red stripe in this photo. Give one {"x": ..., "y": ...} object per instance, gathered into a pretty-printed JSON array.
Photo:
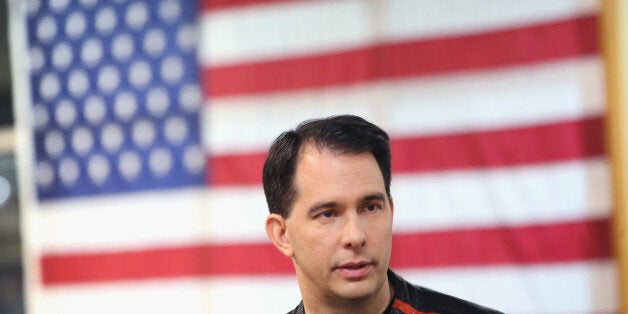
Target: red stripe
[
  {"x": 561, "y": 141},
  {"x": 235, "y": 169},
  {"x": 559, "y": 242},
  {"x": 558, "y": 40},
  {"x": 196, "y": 260},
  {"x": 212, "y": 5}
]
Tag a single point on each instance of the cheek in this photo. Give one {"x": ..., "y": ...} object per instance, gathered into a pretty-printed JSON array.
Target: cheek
[
  {"x": 311, "y": 242},
  {"x": 302, "y": 239},
  {"x": 381, "y": 233}
]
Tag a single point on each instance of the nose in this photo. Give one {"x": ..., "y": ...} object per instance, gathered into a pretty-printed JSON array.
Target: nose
[{"x": 354, "y": 233}]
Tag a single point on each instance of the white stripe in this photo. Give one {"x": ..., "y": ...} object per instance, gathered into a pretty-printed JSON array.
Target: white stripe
[
  {"x": 587, "y": 287},
  {"x": 265, "y": 294},
  {"x": 507, "y": 196},
  {"x": 425, "y": 18},
  {"x": 510, "y": 196},
  {"x": 155, "y": 297},
  {"x": 280, "y": 30},
  {"x": 558, "y": 288},
  {"x": 311, "y": 27},
  {"x": 101, "y": 223},
  {"x": 510, "y": 97}
]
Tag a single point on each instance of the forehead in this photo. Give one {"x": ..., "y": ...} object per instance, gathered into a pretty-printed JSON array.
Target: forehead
[{"x": 328, "y": 174}]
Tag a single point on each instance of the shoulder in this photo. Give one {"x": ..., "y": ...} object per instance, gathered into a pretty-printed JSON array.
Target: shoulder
[{"x": 427, "y": 300}]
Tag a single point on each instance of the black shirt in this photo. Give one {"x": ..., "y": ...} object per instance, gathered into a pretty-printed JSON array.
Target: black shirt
[{"x": 412, "y": 299}]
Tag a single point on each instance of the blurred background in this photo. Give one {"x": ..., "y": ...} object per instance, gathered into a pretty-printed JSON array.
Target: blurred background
[
  {"x": 11, "y": 296},
  {"x": 138, "y": 129}
]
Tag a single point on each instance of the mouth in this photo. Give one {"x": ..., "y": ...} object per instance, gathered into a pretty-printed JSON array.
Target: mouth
[{"x": 354, "y": 270}]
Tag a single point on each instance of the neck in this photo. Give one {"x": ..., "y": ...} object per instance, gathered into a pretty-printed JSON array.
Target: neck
[{"x": 368, "y": 305}]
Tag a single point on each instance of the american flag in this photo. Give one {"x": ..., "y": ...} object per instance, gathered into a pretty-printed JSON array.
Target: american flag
[{"x": 147, "y": 123}]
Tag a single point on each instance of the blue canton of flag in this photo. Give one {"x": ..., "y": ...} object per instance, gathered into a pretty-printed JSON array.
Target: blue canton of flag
[{"x": 116, "y": 96}]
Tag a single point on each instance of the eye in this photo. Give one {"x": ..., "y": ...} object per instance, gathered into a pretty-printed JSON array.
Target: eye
[
  {"x": 372, "y": 207},
  {"x": 327, "y": 214}
]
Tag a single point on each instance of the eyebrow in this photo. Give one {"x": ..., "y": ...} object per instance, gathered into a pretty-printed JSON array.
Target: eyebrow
[
  {"x": 373, "y": 197},
  {"x": 318, "y": 206},
  {"x": 326, "y": 205}
]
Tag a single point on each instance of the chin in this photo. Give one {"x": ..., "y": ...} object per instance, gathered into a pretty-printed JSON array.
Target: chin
[{"x": 358, "y": 290}]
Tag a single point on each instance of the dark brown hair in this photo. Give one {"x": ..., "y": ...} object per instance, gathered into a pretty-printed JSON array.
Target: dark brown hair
[{"x": 346, "y": 134}]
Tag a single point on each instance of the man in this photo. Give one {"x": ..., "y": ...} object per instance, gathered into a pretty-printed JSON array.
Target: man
[{"x": 327, "y": 184}]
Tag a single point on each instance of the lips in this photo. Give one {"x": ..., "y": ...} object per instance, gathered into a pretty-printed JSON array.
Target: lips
[{"x": 354, "y": 270}]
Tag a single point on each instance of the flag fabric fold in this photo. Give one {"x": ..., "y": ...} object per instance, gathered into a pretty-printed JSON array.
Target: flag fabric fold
[{"x": 150, "y": 120}]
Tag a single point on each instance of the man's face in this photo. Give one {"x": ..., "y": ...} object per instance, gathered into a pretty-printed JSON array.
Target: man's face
[{"x": 340, "y": 227}]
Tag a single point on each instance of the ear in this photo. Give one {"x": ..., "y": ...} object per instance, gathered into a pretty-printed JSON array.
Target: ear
[
  {"x": 392, "y": 205},
  {"x": 276, "y": 231}
]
